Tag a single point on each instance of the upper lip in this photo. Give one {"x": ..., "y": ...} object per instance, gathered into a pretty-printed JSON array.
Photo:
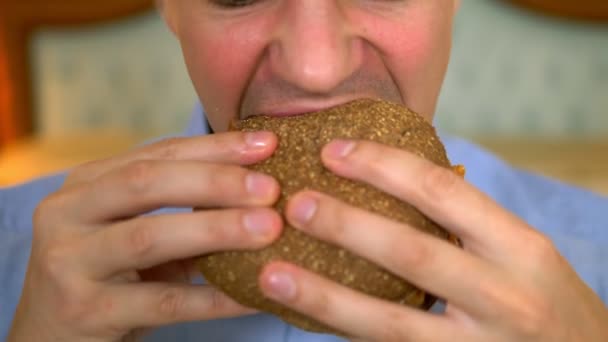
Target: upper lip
[{"x": 299, "y": 107}]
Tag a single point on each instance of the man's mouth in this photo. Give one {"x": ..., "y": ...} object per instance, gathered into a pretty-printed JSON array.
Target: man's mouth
[{"x": 303, "y": 107}]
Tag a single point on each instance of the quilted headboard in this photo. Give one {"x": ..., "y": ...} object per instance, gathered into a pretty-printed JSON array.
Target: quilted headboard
[
  {"x": 19, "y": 19},
  {"x": 596, "y": 10}
]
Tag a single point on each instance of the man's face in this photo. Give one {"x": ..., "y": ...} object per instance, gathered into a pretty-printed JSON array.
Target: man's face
[{"x": 287, "y": 57}]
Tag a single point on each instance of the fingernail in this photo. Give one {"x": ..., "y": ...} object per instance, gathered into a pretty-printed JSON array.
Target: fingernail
[
  {"x": 304, "y": 209},
  {"x": 260, "y": 185},
  {"x": 258, "y": 223},
  {"x": 282, "y": 286},
  {"x": 339, "y": 149},
  {"x": 258, "y": 140}
]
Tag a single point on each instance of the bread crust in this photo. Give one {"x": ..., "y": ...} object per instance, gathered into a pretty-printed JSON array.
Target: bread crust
[{"x": 296, "y": 164}]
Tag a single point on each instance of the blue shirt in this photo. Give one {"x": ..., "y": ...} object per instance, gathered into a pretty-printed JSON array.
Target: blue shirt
[{"x": 574, "y": 219}]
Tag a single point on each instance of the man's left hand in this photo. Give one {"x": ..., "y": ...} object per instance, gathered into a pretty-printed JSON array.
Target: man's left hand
[{"x": 507, "y": 283}]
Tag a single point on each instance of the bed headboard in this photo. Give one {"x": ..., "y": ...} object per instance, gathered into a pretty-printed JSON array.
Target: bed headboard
[
  {"x": 594, "y": 10},
  {"x": 19, "y": 20}
]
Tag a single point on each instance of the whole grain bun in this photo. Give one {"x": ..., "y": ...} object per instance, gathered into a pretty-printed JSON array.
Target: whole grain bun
[{"x": 296, "y": 164}]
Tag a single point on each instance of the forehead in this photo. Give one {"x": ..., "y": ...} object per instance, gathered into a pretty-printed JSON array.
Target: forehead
[{"x": 244, "y": 8}]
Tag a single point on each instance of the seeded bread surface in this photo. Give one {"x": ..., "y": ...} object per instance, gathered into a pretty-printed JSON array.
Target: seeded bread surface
[{"x": 296, "y": 164}]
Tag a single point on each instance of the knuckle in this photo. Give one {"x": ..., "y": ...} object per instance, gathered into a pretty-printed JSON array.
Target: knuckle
[
  {"x": 171, "y": 303},
  {"x": 53, "y": 262},
  {"x": 141, "y": 239},
  {"x": 218, "y": 302},
  {"x": 215, "y": 234},
  {"x": 414, "y": 257},
  {"x": 318, "y": 305},
  {"x": 74, "y": 305},
  {"x": 223, "y": 228},
  {"x": 532, "y": 317},
  {"x": 543, "y": 248},
  {"x": 41, "y": 215},
  {"x": 106, "y": 305},
  {"x": 526, "y": 312},
  {"x": 82, "y": 172},
  {"x": 228, "y": 177},
  {"x": 47, "y": 210},
  {"x": 69, "y": 294},
  {"x": 138, "y": 176},
  {"x": 169, "y": 148},
  {"x": 394, "y": 330},
  {"x": 495, "y": 294},
  {"x": 367, "y": 154},
  {"x": 438, "y": 183},
  {"x": 333, "y": 227},
  {"x": 530, "y": 326},
  {"x": 76, "y": 175}
]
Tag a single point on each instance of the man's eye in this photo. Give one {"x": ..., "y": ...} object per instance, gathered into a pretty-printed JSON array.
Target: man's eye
[{"x": 233, "y": 3}]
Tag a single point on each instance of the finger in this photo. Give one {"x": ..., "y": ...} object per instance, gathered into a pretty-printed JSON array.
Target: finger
[
  {"x": 357, "y": 315},
  {"x": 147, "y": 185},
  {"x": 430, "y": 263},
  {"x": 147, "y": 241},
  {"x": 223, "y": 148},
  {"x": 129, "y": 306},
  {"x": 438, "y": 192}
]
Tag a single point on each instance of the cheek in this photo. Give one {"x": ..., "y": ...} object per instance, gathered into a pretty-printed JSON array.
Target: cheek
[
  {"x": 220, "y": 63},
  {"x": 417, "y": 53},
  {"x": 409, "y": 43}
]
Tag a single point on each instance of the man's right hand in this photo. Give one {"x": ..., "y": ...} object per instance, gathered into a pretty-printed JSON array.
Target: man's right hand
[{"x": 100, "y": 270}]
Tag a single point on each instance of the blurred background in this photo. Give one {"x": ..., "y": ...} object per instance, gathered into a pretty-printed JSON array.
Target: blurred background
[{"x": 80, "y": 81}]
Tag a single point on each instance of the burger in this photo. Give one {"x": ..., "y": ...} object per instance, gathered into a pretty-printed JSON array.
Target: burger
[{"x": 297, "y": 166}]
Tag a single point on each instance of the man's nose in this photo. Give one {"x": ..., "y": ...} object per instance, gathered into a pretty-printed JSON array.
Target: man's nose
[{"x": 315, "y": 48}]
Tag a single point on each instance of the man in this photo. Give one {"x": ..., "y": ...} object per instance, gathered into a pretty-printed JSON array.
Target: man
[{"x": 100, "y": 270}]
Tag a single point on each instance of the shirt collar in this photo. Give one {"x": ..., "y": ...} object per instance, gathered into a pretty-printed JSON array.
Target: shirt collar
[{"x": 197, "y": 125}]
